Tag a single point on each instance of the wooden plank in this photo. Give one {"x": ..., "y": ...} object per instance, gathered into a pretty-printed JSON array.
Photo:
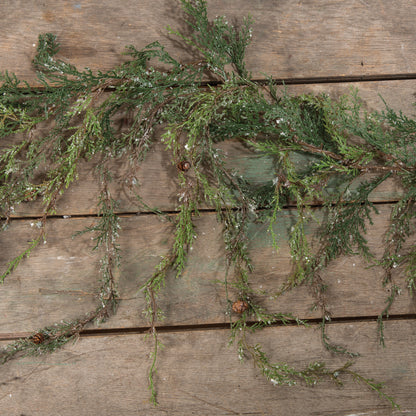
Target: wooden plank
[
  {"x": 306, "y": 39},
  {"x": 158, "y": 184},
  {"x": 157, "y": 177},
  {"x": 60, "y": 279},
  {"x": 199, "y": 374}
]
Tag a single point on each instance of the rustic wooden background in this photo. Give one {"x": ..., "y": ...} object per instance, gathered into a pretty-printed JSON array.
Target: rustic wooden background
[{"x": 313, "y": 45}]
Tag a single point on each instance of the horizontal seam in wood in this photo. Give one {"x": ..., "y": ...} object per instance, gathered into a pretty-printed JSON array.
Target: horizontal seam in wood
[
  {"x": 339, "y": 79},
  {"x": 318, "y": 80},
  {"x": 129, "y": 214},
  {"x": 332, "y": 79},
  {"x": 315, "y": 322}
]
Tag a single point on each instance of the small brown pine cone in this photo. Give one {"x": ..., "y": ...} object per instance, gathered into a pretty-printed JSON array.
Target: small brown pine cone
[
  {"x": 239, "y": 306},
  {"x": 37, "y": 338}
]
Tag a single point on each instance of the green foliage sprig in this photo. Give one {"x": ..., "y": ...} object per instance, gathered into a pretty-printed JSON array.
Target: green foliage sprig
[{"x": 341, "y": 142}]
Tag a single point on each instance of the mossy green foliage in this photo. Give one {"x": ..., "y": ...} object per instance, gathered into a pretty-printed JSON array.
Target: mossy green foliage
[{"x": 340, "y": 140}]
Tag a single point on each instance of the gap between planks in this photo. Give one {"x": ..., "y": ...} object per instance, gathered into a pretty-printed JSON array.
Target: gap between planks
[
  {"x": 325, "y": 80},
  {"x": 302, "y": 80},
  {"x": 313, "y": 323},
  {"x": 129, "y": 214}
]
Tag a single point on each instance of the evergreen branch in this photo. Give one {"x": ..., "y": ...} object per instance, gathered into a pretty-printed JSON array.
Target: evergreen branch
[
  {"x": 337, "y": 349},
  {"x": 53, "y": 337},
  {"x": 394, "y": 292},
  {"x": 400, "y": 229},
  {"x": 337, "y": 140},
  {"x": 283, "y": 374},
  {"x": 373, "y": 385},
  {"x": 411, "y": 271},
  {"x": 12, "y": 264}
]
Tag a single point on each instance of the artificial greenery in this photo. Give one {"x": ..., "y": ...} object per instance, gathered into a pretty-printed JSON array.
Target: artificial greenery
[{"x": 350, "y": 153}]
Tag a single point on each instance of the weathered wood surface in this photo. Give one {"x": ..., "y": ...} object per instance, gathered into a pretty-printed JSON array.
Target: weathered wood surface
[
  {"x": 158, "y": 183},
  {"x": 61, "y": 278},
  {"x": 290, "y": 40},
  {"x": 157, "y": 176},
  {"x": 200, "y": 374}
]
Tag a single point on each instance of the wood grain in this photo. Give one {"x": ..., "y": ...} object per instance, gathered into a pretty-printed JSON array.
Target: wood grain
[
  {"x": 290, "y": 40},
  {"x": 158, "y": 183},
  {"x": 60, "y": 279},
  {"x": 199, "y": 374},
  {"x": 157, "y": 176}
]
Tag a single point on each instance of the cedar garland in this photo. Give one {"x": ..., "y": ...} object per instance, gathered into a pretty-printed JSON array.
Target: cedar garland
[{"x": 341, "y": 141}]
